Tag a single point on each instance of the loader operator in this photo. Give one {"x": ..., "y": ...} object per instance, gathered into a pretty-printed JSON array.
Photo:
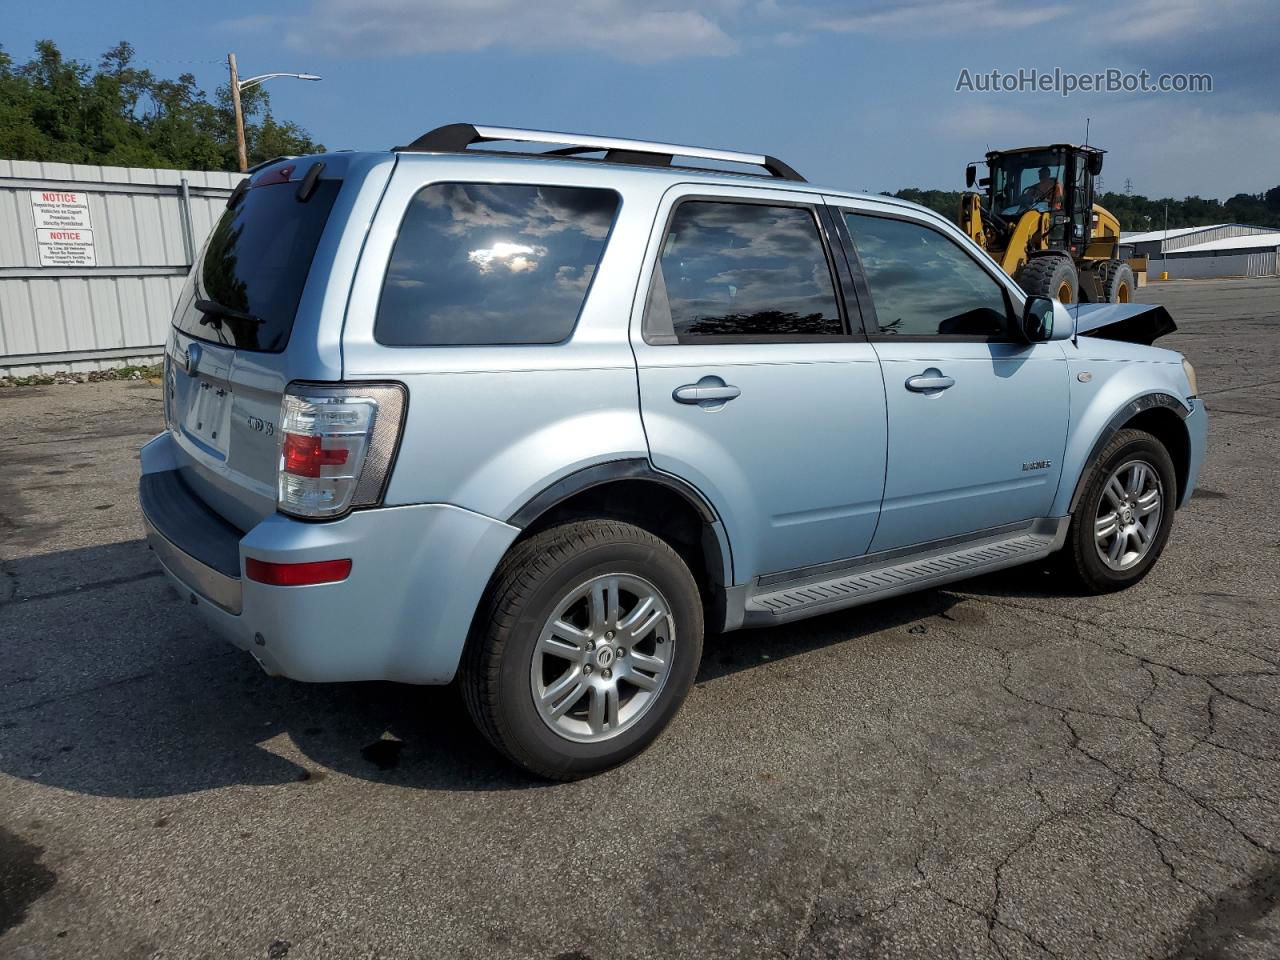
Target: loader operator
[{"x": 1047, "y": 190}]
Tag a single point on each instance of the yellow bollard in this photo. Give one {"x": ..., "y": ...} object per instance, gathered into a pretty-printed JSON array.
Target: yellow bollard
[{"x": 1164, "y": 276}]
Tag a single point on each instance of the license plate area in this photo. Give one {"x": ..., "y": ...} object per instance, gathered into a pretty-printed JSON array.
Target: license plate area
[{"x": 207, "y": 421}]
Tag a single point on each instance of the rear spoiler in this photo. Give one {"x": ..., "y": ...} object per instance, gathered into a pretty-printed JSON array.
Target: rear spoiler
[{"x": 1143, "y": 323}]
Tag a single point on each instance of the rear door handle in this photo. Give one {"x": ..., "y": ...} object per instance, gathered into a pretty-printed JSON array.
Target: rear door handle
[
  {"x": 932, "y": 379},
  {"x": 711, "y": 389}
]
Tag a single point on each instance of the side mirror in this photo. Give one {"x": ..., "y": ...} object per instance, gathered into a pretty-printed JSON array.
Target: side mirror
[
  {"x": 1064, "y": 322},
  {"x": 1095, "y": 164},
  {"x": 1037, "y": 320},
  {"x": 970, "y": 175},
  {"x": 1044, "y": 319}
]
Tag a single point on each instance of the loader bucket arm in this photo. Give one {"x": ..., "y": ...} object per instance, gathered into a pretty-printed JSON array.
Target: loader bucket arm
[
  {"x": 971, "y": 218},
  {"x": 1027, "y": 236}
]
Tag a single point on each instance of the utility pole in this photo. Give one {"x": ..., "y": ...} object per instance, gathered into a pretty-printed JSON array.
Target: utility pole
[
  {"x": 238, "y": 86},
  {"x": 1164, "y": 261},
  {"x": 241, "y": 153}
]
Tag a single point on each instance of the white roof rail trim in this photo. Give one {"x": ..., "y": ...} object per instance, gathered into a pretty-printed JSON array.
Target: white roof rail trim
[{"x": 618, "y": 143}]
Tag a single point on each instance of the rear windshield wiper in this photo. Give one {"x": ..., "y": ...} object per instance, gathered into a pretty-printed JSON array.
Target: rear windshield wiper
[{"x": 215, "y": 313}]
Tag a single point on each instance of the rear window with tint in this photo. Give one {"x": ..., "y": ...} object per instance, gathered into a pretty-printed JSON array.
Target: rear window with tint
[
  {"x": 256, "y": 263},
  {"x": 493, "y": 264}
]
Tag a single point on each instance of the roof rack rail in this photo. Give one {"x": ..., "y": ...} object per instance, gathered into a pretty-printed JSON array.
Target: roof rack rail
[{"x": 457, "y": 137}]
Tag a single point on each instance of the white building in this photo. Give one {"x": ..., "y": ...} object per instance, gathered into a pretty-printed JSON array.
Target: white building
[
  {"x": 1152, "y": 242},
  {"x": 1252, "y": 255}
]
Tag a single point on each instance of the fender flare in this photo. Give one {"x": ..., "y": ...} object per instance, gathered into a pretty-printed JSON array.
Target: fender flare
[
  {"x": 715, "y": 539},
  {"x": 1140, "y": 404},
  {"x": 597, "y": 474}
]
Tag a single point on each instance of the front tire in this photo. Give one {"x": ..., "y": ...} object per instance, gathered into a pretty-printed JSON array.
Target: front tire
[
  {"x": 1051, "y": 276},
  {"x": 1125, "y": 514},
  {"x": 584, "y": 648}
]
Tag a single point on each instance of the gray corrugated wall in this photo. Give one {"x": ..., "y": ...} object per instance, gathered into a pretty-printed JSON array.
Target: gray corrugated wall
[
  {"x": 78, "y": 317},
  {"x": 1261, "y": 264}
]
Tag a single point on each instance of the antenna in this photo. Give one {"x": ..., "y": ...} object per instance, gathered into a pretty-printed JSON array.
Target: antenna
[{"x": 1086, "y": 131}]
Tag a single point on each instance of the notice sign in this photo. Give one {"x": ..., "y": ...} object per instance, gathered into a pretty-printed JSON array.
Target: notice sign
[{"x": 64, "y": 234}]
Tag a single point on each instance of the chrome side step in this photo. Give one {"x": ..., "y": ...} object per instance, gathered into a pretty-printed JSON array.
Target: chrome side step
[{"x": 877, "y": 578}]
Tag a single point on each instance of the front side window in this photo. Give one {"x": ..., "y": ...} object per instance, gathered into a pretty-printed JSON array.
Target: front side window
[
  {"x": 923, "y": 283},
  {"x": 493, "y": 264},
  {"x": 741, "y": 270}
]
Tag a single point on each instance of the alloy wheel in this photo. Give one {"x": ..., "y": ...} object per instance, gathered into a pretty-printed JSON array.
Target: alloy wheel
[
  {"x": 603, "y": 657},
  {"x": 1129, "y": 514}
]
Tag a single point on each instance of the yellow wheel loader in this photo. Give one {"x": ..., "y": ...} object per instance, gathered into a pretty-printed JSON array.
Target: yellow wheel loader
[{"x": 1036, "y": 217}]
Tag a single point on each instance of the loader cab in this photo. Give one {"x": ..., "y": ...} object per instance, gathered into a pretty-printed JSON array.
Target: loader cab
[{"x": 1057, "y": 180}]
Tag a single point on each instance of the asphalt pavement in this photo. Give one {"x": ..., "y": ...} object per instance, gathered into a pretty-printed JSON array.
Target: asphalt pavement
[{"x": 993, "y": 769}]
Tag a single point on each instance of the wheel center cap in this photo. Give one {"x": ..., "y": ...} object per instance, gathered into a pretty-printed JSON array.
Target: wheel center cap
[
  {"x": 1127, "y": 516},
  {"x": 604, "y": 656}
]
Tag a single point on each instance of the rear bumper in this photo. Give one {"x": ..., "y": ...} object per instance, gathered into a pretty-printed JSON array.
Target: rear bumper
[
  {"x": 215, "y": 587},
  {"x": 403, "y": 614}
]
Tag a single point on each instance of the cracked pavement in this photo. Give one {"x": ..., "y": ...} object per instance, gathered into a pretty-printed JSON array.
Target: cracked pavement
[{"x": 993, "y": 769}]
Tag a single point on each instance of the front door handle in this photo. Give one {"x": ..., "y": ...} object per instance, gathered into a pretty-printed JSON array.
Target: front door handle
[
  {"x": 929, "y": 381},
  {"x": 707, "y": 391}
]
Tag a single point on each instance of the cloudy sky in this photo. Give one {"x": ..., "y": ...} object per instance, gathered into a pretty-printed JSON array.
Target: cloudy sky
[{"x": 858, "y": 94}]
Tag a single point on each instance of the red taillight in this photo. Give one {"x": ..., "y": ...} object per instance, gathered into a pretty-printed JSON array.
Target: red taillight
[
  {"x": 297, "y": 574},
  {"x": 304, "y": 456},
  {"x": 337, "y": 441}
]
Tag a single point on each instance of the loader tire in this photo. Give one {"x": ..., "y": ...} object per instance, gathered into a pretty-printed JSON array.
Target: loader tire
[
  {"x": 1053, "y": 277},
  {"x": 1115, "y": 279}
]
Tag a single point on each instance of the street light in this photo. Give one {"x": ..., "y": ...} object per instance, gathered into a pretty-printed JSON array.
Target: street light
[
  {"x": 254, "y": 81},
  {"x": 237, "y": 87}
]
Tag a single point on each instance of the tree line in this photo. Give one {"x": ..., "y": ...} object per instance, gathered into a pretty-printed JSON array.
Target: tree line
[
  {"x": 1136, "y": 212},
  {"x": 56, "y": 109}
]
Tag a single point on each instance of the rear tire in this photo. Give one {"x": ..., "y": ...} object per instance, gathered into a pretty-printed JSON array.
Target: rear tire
[
  {"x": 584, "y": 648},
  {"x": 1124, "y": 516},
  {"x": 1051, "y": 276},
  {"x": 1115, "y": 278}
]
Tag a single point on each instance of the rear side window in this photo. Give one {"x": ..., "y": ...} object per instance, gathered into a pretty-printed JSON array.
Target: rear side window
[
  {"x": 256, "y": 264},
  {"x": 493, "y": 264},
  {"x": 742, "y": 271},
  {"x": 923, "y": 284}
]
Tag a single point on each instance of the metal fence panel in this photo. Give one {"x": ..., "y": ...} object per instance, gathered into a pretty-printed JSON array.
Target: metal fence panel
[{"x": 146, "y": 226}]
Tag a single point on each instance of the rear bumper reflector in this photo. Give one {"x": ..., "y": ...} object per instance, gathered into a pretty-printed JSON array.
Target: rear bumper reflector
[{"x": 296, "y": 574}]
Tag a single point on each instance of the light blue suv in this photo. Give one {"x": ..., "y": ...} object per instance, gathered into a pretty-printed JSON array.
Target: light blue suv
[{"x": 538, "y": 419}]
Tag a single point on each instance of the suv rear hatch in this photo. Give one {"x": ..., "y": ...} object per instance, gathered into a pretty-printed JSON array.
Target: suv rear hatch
[{"x": 248, "y": 322}]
